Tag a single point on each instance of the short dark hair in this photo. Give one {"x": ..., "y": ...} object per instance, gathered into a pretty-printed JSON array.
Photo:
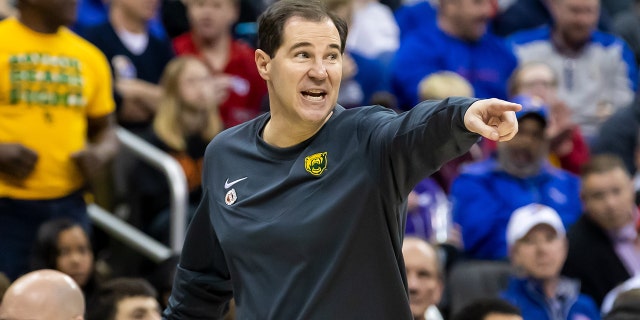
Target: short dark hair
[
  {"x": 602, "y": 163},
  {"x": 104, "y": 304},
  {"x": 625, "y": 306},
  {"x": 479, "y": 309},
  {"x": 271, "y": 22}
]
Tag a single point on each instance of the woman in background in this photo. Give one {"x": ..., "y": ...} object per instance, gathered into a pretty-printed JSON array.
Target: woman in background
[
  {"x": 186, "y": 120},
  {"x": 63, "y": 245}
]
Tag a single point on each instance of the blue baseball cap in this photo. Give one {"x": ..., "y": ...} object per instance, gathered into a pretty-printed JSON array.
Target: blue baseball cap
[{"x": 531, "y": 106}]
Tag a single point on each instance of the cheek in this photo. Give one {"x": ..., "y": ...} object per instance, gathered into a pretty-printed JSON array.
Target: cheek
[
  {"x": 62, "y": 263},
  {"x": 189, "y": 94},
  {"x": 429, "y": 286},
  {"x": 87, "y": 260},
  {"x": 336, "y": 70},
  {"x": 625, "y": 198},
  {"x": 539, "y": 146}
]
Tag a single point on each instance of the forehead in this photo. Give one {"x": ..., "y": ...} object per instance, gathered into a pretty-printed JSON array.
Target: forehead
[
  {"x": 530, "y": 123},
  {"x": 132, "y": 303},
  {"x": 298, "y": 29},
  {"x": 579, "y": 3},
  {"x": 73, "y": 233},
  {"x": 208, "y": 2},
  {"x": 536, "y": 71},
  {"x": 502, "y": 316},
  {"x": 419, "y": 256},
  {"x": 542, "y": 228},
  {"x": 599, "y": 180},
  {"x": 468, "y": 3}
]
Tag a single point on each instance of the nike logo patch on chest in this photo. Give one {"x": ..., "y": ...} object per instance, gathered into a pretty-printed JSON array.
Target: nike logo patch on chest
[{"x": 228, "y": 184}]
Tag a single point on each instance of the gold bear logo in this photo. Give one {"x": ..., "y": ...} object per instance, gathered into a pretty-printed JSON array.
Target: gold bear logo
[{"x": 316, "y": 163}]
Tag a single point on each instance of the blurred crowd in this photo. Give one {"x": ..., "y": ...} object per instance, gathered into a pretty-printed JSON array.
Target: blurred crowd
[{"x": 544, "y": 226}]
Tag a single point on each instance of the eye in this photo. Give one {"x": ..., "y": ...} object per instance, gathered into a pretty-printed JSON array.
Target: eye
[
  {"x": 64, "y": 251},
  {"x": 333, "y": 56},
  {"x": 302, "y": 55}
]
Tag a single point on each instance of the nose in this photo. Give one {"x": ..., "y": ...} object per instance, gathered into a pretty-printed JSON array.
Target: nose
[
  {"x": 611, "y": 201},
  {"x": 318, "y": 71},
  {"x": 75, "y": 257},
  {"x": 542, "y": 246}
]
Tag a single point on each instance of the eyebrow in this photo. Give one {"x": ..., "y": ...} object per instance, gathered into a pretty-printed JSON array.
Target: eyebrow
[{"x": 308, "y": 44}]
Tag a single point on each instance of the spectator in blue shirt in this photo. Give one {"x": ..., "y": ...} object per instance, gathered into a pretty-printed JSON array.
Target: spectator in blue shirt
[
  {"x": 459, "y": 42},
  {"x": 486, "y": 193},
  {"x": 537, "y": 249}
]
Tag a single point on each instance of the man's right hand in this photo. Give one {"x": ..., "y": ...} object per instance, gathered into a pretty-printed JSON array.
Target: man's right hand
[
  {"x": 133, "y": 111},
  {"x": 17, "y": 160}
]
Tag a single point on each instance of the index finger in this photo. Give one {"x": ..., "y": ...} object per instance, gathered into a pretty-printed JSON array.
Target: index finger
[{"x": 502, "y": 106}]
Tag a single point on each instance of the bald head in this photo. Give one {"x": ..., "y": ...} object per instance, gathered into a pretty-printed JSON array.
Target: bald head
[
  {"x": 421, "y": 249},
  {"x": 43, "y": 294}
]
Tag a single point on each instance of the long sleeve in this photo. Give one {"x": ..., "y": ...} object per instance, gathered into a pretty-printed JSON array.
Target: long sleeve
[
  {"x": 624, "y": 77},
  {"x": 419, "y": 141},
  {"x": 274, "y": 220},
  {"x": 202, "y": 285}
]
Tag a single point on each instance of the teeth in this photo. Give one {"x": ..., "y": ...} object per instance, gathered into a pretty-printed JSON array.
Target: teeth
[
  {"x": 314, "y": 98},
  {"x": 315, "y": 92}
]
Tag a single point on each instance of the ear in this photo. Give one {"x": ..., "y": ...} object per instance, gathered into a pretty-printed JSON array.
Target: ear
[{"x": 263, "y": 63}]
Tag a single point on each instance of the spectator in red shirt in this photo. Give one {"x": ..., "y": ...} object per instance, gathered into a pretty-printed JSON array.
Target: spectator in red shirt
[{"x": 212, "y": 40}]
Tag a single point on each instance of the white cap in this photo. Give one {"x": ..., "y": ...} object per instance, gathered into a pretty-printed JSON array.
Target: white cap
[{"x": 525, "y": 218}]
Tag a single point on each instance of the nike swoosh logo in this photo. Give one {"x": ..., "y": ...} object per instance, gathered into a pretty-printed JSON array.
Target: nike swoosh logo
[{"x": 228, "y": 184}]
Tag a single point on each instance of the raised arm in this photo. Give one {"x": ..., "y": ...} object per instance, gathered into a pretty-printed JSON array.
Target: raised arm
[{"x": 493, "y": 119}]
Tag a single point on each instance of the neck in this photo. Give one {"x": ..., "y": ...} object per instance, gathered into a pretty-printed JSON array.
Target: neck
[
  {"x": 566, "y": 48},
  {"x": 215, "y": 51},
  {"x": 34, "y": 22},
  {"x": 121, "y": 20},
  {"x": 284, "y": 134},
  {"x": 419, "y": 317},
  {"x": 520, "y": 172},
  {"x": 218, "y": 43},
  {"x": 549, "y": 287}
]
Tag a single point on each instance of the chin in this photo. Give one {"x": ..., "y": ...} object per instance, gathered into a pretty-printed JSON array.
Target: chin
[
  {"x": 315, "y": 117},
  {"x": 81, "y": 280},
  {"x": 418, "y": 311},
  {"x": 315, "y": 113},
  {"x": 545, "y": 274}
]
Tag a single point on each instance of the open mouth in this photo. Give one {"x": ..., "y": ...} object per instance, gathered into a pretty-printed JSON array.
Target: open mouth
[
  {"x": 522, "y": 157},
  {"x": 314, "y": 95}
]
